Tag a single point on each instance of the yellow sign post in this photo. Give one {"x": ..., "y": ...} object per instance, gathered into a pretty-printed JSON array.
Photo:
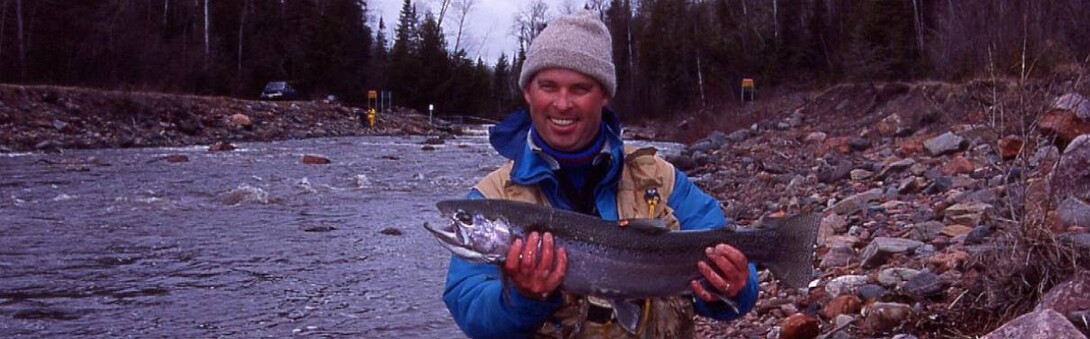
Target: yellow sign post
[{"x": 747, "y": 84}]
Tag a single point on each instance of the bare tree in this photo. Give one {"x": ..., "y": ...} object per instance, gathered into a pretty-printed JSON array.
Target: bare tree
[
  {"x": 462, "y": 9},
  {"x": 531, "y": 21},
  {"x": 567, "y": 7},
  {"x": 241, "y": 25}
]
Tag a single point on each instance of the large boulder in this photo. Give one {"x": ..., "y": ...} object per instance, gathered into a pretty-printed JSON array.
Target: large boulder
[
  {"x": 1044, "y": 323},
  {"x": 1070, "y": 298},
  {"x": 1071, "y": 177},
  {"x": 1064, "y": 125},
  {"x": 1076, "y": 103}
]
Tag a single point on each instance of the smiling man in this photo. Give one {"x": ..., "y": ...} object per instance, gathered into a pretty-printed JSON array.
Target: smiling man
[{"x": 567, "y": 153}]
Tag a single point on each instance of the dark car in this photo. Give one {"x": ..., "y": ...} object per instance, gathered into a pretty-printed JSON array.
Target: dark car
[{"x": 279, "y": 90}]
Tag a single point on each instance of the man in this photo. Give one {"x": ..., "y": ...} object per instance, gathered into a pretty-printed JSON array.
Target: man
[{"x": 567, "y": 153}]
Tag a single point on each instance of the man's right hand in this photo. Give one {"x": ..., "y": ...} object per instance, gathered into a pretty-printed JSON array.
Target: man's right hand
[{"x": 536, "y": 266}]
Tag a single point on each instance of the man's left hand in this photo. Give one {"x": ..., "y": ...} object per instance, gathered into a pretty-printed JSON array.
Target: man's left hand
[{"x": 726, "y": 270}]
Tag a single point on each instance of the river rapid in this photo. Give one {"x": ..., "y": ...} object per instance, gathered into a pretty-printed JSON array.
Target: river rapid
[{"x": 245, "y": 243}]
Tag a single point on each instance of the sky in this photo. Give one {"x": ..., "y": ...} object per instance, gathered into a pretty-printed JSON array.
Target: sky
[{"x": 489, "y": 23}]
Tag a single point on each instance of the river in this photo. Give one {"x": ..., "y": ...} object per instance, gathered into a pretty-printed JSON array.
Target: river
[{"x": 245, "y": 243}]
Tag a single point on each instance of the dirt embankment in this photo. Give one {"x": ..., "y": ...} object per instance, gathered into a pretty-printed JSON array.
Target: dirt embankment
[{"x": 50, "y": 117}]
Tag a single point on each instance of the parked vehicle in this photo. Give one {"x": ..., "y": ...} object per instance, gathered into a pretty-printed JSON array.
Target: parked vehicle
[{"x": 279, "y": 90}]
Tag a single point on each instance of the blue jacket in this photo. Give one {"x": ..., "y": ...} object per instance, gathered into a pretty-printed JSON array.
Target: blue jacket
[{"x": 473, "y": 291}]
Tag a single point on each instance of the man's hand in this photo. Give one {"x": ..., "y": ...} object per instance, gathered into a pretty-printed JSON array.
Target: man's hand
[
  {"x": 536, "y": 267},
  {"x": 727, "y": 273}
]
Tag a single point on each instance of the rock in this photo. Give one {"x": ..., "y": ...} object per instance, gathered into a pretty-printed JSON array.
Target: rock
[
  {"x": 427, "y": 148},
  {"x": 848, "y": 241},
  {"x": 1074, "y": 212},
  {"x": 240, "y": 120},
  {"x": 1068, "y": 297},
  {"x": 319, "y": 228},
  {"x": 682, "y": 162},
  {"x": 955, "y": 230},
  {"x": 390, "y": 231},
  {"x": 1010, "y": 147},
  {"x": 939, "y": 185},
  {"x": 845, "y": 284},
  {"x": 1064, "y": 125},
  {"x": 1045, "y": 157},
  {"x": 799, "y": 326},
  {"x": 860, "y": 174},
  {"x": 1074, "y": 102},
  {"x": 896, "y": 167},
  {"x": 883, "y": 316},
  {"x": 739, "y": 135},
  {"x": 957, "y": 165},
  {"x": 895, "y": 276},
  {"x": 978, "y": 235},
  {"x": 947, "y": 261},
  {"x": 892, "y": 125},
  {"x": 843, "y": 304},
  {"x": 858, "y": 144},
  {"x": 966, "y": 213},
  {"x": 315, "y": 160},
  {"x": 945, "y": 144},
  {"x": 923, "y": 285},
  {"x": 871, "y": 293},
  {"x": 176, "y": 158},
  {"x": 815, "y": 137},
  {"x": 1071, "y": 177},
  {"x": 843, "y": 320},
  {"x": 926, "y": 231},
  {"x": 835, "y": 173},
  {"x": 221, "y": 147},
  {"x": 882, "y": 247},
  {"x": 1044, "y": 323},
  {"x": 837, "y": 256},
  {"x": 910, "y": 185},
  {"x": 857, "y": 202},
  {"x": 830, "y": 225}
]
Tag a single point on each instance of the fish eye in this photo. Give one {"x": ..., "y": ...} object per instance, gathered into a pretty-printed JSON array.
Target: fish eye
[{"x": 463, "y": 217}]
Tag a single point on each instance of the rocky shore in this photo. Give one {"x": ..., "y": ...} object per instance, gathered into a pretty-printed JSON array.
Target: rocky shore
[
  {"x": 949, "y": 210},
  {"x": 935, "y": 225},
  {"x": 52, "y": 118}
]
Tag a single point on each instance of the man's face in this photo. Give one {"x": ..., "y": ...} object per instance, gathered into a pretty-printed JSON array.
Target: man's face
[{"x": 566, "y": 107}]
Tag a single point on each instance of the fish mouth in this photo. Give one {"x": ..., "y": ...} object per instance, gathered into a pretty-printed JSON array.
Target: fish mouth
[{"x": 448, "y": 238}]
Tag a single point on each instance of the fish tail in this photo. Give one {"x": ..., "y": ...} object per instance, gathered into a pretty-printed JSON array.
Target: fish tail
[{"x": 795, "y": 264}]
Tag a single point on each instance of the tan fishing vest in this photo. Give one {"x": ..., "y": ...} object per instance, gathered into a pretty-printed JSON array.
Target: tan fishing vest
[{"x": 669, "y": 317}]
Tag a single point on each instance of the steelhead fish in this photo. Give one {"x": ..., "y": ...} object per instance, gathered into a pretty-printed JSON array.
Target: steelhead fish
[{"x": 623, "y": 261}]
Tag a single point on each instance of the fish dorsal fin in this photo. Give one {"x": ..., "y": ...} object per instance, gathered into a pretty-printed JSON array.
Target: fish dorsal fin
[{"x": 649, "y": 226}]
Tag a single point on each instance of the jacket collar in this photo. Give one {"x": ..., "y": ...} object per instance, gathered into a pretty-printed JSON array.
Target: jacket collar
[{"x": 511, "y": 138}]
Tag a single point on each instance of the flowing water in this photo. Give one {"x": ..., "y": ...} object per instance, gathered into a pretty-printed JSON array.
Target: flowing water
[{"x": 246, "y": 243}]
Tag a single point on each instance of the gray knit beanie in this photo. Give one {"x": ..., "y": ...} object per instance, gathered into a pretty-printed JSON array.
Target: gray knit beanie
[{"x": 579, "y": 42}]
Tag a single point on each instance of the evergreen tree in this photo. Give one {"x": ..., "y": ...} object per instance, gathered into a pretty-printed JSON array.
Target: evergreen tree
[
  {"x": 404, "y": 63},
  {"x": 503, "y": 89}
]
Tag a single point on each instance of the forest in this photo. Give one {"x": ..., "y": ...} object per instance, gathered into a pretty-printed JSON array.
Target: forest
[{"x": 672, "y": 56}]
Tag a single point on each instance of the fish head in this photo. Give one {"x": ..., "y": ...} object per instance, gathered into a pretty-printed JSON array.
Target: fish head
[{"x": 474, "y": 237}]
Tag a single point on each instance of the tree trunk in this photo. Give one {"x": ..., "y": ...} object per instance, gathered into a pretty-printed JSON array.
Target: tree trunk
[
  {"x": 207, "y": 46},
  {"x": 241, "y": 27},
  {"x": 19, "y": 36},
  {"x": 166, "y": 6}
]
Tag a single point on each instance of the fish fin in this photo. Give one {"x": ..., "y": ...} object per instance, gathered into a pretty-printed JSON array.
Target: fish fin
[
  {"x": 648, "y": 226},
  {"x": 794, "y": 265},
  {"x": 628, "y": 313},
  {"x": 733, "y": 305}
]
